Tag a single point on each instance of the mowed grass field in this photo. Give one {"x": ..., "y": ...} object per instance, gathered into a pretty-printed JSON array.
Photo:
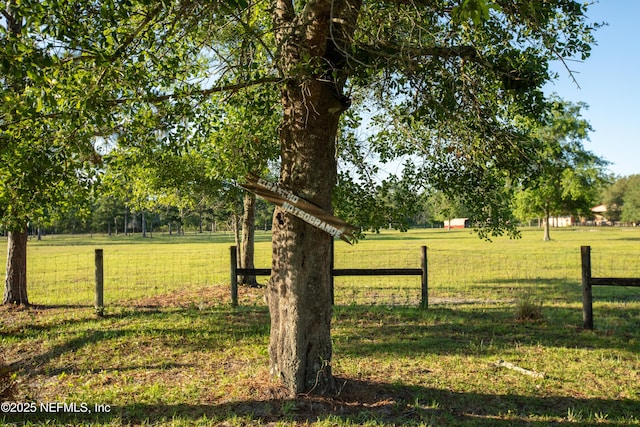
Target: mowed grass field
[
  {"x": 171, "y": 351},
  {"x": 462, "y": 268}
]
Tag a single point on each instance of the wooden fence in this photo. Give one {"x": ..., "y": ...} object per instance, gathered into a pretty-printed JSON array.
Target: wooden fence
[
  {"x": 588, "y": 282},
  {"x": 422, "y": 271}
]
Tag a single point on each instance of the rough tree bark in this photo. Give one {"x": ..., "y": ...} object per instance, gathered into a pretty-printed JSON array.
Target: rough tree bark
[
  {"x": 298, "y": 293},
  {"x": 248, "y": 238},
  {"x": 15, "y": 285}
]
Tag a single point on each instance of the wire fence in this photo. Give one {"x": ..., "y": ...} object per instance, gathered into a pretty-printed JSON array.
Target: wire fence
[{"x": 134, "y": 273}]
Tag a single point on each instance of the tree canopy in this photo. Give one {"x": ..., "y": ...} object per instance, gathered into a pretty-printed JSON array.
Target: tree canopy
[
  {"x": 622, "y": 199},
  {"x": 450, "y": 81},
  {"x": 447, "y": 79},
  {"x": 570, "y": 177}
]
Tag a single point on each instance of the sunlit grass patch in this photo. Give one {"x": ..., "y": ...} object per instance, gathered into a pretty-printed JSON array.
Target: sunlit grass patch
[
  {"x": 176, "y": 353},
  {"x": 191, "y": 365}
]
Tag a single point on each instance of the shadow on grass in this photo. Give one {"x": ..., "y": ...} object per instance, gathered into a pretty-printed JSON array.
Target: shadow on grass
[
  {"x": 559, "y": 289},
  {"x": 182, "y": 328},
  {"x": 358, "y": 331},
  {"x": 152, "y": 238},
  {"x": 562, "y": 289},
  {"x": 366, "y": 331},
  {"x": 434, "y": 234},
  {"x": 361, "y": 402},
  {"x": 629, "y": 239},
  {"x": 362, "y": 332}
]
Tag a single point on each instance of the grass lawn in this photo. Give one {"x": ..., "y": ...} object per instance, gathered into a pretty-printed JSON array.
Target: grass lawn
[
  {"x": 182, "y": 356},
  {"x": 462, "y": 268}
]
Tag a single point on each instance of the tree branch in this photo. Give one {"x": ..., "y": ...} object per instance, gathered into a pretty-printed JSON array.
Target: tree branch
[
  {"x": 6, "y": 15},
  {"x": 204, "y": 92},
  {"x": 566, "y": 66},
  {"x": 370, "y": 55},
  {"x": 135, "y": 33},
  {"x": 160, "y": 98},
  {"x": 126, "y": 43}
]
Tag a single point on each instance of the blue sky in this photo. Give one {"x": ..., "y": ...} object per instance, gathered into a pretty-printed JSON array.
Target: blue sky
[{"x": 609, "y": 84}]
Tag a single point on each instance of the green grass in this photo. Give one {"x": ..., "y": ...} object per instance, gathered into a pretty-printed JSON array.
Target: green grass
[
  {"x": 462, "y": 268},
  {"x": 181, "y": 356},
  {"x": 61, "y": 268},
  {"x": 183, "y": 366}
]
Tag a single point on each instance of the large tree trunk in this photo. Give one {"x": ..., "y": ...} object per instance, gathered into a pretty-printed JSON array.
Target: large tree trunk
[
  {"x": 311, "y": 44},
  {"x": 15, "y": 284},
  {"x": 248, "y": 238},
  {"x": 299, "y": 290}
]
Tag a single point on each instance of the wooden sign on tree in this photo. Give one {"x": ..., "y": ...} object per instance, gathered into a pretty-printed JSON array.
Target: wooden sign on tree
[{"x": 300, "y": 208}]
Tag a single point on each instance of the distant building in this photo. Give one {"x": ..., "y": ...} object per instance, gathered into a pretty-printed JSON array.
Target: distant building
[
  {"x": 456, "y": 223},
  {"x": 600, "y": 214},
  {"x": 562, "y": 221}
]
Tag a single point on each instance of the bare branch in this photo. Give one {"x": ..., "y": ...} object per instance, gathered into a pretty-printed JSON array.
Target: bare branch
[{"x": 566, "y": 66}]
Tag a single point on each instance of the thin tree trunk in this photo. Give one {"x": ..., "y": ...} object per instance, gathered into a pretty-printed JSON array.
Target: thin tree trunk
[
  {"x": 235, "y": 218},
  {"x": 15, "y": 284},
  {"x": 181, "y": 223},
  {"x": 547, "y": 236},
  {"x": 126, "y": 221},
  {"x": 248, "y": 238}
]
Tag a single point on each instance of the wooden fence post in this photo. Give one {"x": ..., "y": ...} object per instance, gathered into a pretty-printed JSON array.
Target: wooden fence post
[
  {"x": 99, "y": 262},
  {"x": 587, "y": 297},
  {"x": 424, "y": 302},
  {"x": 234, "y": 276},
  {"x": 331, "y": 269}
]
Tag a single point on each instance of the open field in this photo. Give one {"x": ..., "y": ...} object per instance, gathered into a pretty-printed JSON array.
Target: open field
[
  {"x": 462, "y": 267},
  {"x": 175, "y": 353}
]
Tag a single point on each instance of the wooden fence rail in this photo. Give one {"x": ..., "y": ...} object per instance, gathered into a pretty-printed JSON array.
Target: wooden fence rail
[
  {"x": 588, "y": 282},
  {"x": 422, "y": 271}
]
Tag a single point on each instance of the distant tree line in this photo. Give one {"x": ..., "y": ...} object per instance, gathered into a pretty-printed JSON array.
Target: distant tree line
[
  {"x": 110, "y": 215},
  {"x": 622, "y": 199},
  {"x": 107, "y": 214}
]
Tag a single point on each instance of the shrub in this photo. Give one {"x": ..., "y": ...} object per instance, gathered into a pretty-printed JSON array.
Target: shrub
[{"x": 528, "y": 310}]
